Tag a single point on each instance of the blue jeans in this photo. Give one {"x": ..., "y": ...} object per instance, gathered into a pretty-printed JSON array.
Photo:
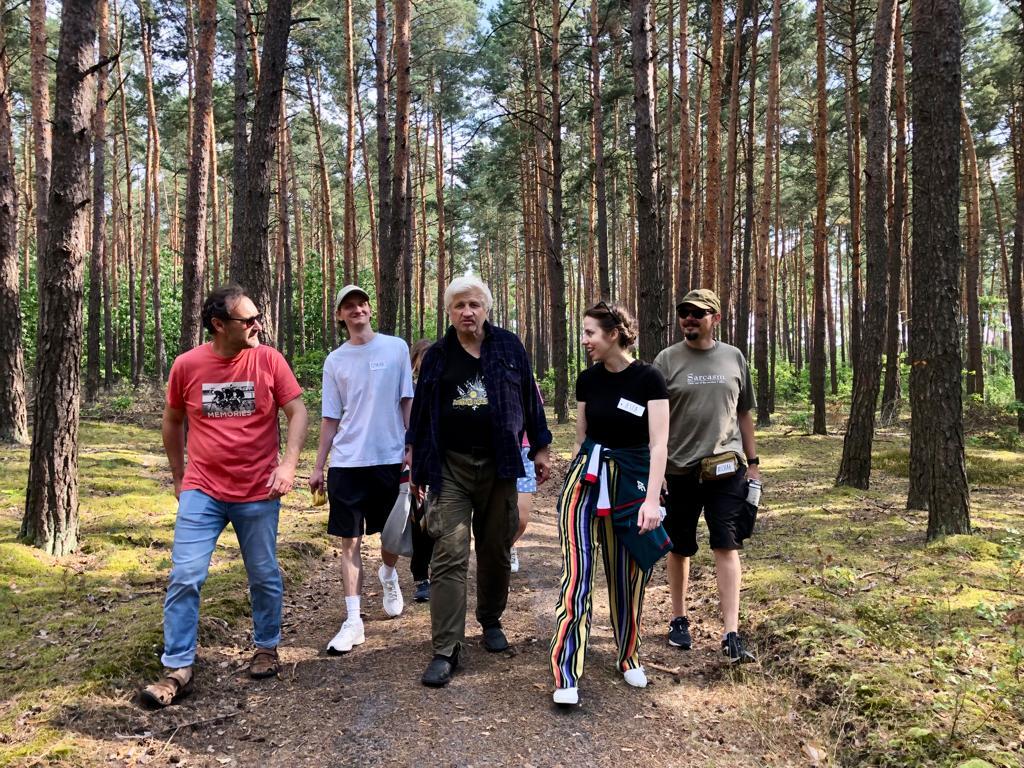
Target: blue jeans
[{"x": 201, "y": 519}]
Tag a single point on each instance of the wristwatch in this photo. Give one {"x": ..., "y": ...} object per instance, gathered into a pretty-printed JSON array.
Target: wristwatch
[{"x": 754, "y": 460}]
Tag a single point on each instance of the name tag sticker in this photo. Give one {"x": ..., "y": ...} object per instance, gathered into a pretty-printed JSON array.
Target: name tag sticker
[
  {"x": 630, "y": 407},
  {"x": 725, "y": 468},
  {"x": 377, "y": 365}
]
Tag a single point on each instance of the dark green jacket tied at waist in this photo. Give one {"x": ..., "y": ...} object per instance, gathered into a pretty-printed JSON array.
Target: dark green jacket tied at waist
[{"x": 618, "y": 477}]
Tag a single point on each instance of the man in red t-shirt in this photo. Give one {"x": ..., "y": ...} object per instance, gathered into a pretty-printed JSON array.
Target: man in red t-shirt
[{"x": 230, "y": 390}]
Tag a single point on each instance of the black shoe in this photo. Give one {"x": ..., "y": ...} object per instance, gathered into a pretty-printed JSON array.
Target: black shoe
[
  {"x": 422, "y": 594},
  {"x": 495, "y": 640},
  {"x": 679, "y": 633},
  {"x": 439, "y": 671},
  {"x": 732, "y": 647}
]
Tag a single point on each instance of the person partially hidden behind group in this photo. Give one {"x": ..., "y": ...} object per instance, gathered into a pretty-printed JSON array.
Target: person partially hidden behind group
[{"x": 621, "y": 441}]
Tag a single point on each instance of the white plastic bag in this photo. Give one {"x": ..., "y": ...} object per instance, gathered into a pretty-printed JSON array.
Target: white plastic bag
[{"x": 396, "y": 537}]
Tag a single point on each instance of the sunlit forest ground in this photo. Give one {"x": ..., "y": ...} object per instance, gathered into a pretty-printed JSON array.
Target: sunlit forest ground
[{"x": 906, "y": 653}]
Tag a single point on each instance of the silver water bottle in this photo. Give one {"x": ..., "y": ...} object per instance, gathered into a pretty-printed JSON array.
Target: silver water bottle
[{"x": 754, "y": 492}]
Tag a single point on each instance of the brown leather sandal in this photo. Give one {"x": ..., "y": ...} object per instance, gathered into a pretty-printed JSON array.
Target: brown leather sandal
[
  {"x": 175, "y": 685},
  {"x": 264, "y": 664}
]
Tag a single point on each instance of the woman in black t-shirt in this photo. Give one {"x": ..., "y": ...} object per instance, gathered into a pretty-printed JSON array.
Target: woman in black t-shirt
[{"x": 621, "y": 450}]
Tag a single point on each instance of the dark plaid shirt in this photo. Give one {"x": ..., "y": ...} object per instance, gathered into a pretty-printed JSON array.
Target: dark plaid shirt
[{"x": 514, "y": 399}]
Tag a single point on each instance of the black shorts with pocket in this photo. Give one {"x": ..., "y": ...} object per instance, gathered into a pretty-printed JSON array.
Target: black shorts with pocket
[
  {"x": 361, "y": 498},
  {"x": 724, "y": 503}
]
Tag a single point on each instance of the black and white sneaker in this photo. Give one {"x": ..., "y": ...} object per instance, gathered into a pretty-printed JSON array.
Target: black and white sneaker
[
  {"x": 734, "y": 650},
  {"x": 679, "y": 633}
]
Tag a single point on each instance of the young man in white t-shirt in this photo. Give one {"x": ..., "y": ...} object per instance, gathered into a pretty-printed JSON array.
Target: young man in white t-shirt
[{"x": 367, "y": 397}]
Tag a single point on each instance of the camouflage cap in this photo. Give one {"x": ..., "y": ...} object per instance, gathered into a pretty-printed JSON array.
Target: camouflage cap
[{"x": 704, "y": 298}]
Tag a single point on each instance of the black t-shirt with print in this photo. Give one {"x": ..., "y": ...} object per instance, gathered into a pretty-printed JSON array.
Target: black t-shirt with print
[
  {"x": 465, "y": 410},
  {"x": 616, "y": 403}
]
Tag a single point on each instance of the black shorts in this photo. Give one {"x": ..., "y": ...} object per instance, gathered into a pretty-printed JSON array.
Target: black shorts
[
  {"x": 724, "y": 503},
  {"x": 361, "y": 498}
]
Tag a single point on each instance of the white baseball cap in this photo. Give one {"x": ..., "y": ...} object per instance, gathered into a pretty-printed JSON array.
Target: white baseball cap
[{"x": 344, "y": 293}]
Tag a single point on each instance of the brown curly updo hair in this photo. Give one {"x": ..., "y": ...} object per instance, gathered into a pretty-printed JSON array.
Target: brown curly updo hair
[{"x": 615, "y": 317}]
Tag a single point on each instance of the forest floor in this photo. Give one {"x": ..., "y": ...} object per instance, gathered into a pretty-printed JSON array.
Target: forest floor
[{"x": 876, "y": 648}]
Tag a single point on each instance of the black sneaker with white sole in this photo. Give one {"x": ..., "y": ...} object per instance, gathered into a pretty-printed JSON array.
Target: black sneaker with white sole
[
  {"x": 734, "y": 650},
  {"x": 679, "y": 633}
]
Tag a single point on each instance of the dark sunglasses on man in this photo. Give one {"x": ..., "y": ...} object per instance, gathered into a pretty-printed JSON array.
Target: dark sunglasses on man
[
  {"x": 697, "y": 313},
  {"x": 248, "y": 322}
]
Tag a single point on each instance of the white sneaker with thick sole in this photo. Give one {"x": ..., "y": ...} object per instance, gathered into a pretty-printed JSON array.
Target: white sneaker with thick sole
[
  {"x": 636, "y": 677},
  {"x": 393, "y": 602},
  {"x": 350, "y": 634},
  {"x": 566, "y": 697},
  {"x": 514, "y": 561}
]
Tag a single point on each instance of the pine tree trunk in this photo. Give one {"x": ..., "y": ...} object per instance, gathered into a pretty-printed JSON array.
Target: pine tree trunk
[
  {"x": 159, "y": 358},
  {"x": 442, "y": 257},
  {"x": 685, "y": 165},
  {"x": 300, "y": 253},
  {"x": 975, "y": 363},
  {"x": 350, "y": 243},
  {"x": 51, "y": 496},
  {"x": 891, "y": 388},
  {"x": 742, "y": 336},
  {"x": 761, "y": 287},
  {"x": 725, "y": 262},
  {"x": 556, "y": 270},
  {"x": 41, "y": 130},
  {"x": 817, "y": 354},
  {"x": 599, "y": 162},
  {"x": 97, "y": 266},
  {"x": 710, "y": 233},
  {"x": 329, "y": 256},
  {"x": 651, "y": 302},
  {"x": 391, "y": 259},
  {"x": 240, "y": 134},
  {"x": 937, "y": 466},
  {"x": 250, "y": 243},
  {"x": 194, "y": 256},
  {"x": 853, "y": 184},
  {"x": 380, "y": 58},
  {"x": 855, "y": 465},
  {"x": 13, "y": 419},
  {"x": 1015, "y": 288}
]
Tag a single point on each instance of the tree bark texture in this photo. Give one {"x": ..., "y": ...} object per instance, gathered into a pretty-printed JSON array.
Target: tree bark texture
[
  {"x": 13, "y": 420},
  {"x": 651, "y": 312},
  {"x": 1015, "y": 289},
  {"x": 891, "y": 389},
  {"x": 249, "y": 252},
  {"x": 194, "y": 256},
  {"x": 855, "y": 465},
  {"x": 41, "y": 130},
  {"x": 938, "y": 467},
  {"x": 817, "y": 353},
  {"x": 710, "y": 234},
  {"x": 761, "y": 248},
  {"x": 391, "y": 259},
  {"x": 97, "y": 260},
  {"x": 51, "y": 497}
]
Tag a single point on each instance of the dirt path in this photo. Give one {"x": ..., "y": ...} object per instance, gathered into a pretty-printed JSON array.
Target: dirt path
[{"x": 369, "y": 708}]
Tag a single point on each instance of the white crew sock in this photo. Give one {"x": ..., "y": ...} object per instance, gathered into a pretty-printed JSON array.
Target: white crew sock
[
  {"x": 352, "y": 607},
  {"x": 387, "y": 572}
]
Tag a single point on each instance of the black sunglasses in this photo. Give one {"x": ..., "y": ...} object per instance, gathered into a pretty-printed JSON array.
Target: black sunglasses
[
  {"x": 695, "y": 313},
  {"x": 248, "y": 322}
]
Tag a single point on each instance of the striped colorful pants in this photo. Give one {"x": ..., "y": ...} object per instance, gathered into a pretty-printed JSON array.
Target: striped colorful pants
[{"x": 579, "y": 532}]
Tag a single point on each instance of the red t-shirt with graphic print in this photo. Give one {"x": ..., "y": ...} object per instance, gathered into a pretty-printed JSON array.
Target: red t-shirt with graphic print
[{"x": 231, "y": 405}]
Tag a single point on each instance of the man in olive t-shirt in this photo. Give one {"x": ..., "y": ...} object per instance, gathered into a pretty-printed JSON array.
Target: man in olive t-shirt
[{"x": 710, "y": 400}]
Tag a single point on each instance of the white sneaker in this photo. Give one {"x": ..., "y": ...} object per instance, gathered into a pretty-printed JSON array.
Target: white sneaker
[
  {"x": 393, "y": 602},
  {"x": 566, "y": 697},
  {"x": 350, "y": 634},
  {"x": 636, "y": 677},
  {"x": 514, "y": 561}
]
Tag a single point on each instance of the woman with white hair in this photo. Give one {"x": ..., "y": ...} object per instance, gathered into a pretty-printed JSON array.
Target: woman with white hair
[{"x": 475, "y": 398}]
